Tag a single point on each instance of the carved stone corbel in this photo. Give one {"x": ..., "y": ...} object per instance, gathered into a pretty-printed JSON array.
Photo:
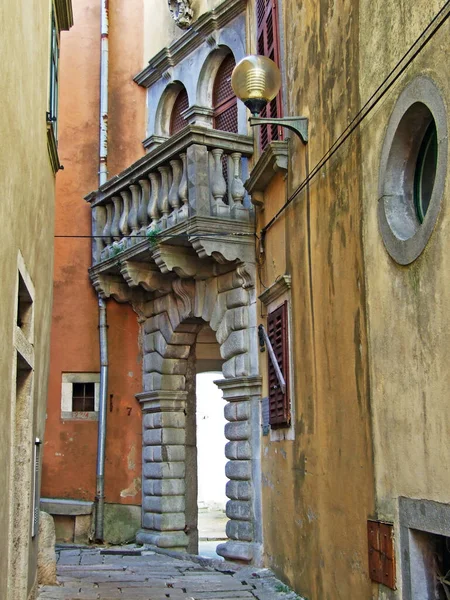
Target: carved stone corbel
[
  {"x": 182, "y": 12},
  {"x": 145, "y": 275},
  {"x": 179, "y": 260},
  {"x": 185, "y": 292},
  {"x": 113, "y": 286}
]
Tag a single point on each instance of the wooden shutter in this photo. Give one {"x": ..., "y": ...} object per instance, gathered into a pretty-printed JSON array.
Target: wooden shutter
[
  {"x": 224, "y": 99},
  {"x": 268, "y": 45},
  {"x": 279, "y": 404},
  {"x": 177, "y": 122}
]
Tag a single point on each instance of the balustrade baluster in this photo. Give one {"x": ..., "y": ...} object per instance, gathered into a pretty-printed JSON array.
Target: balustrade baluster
[
  {"x": 115, "y": 227},
  {"x": 183, "y": 188},
  {"x": 163, "y": 200},
  {"x": 107, "y": 239},
  {"x": 133, "y": 222},
  {"x": 153, "y": 211},
  {"x": 143, "y": 206},
  {"x": 99, "y": 219},
  {"x": 238, "y": 211},
  {"x": 218, "y": 183},
  {"x": 123, "y": 223}
]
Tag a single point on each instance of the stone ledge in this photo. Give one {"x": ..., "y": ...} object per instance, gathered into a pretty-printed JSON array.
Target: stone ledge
[
  {"x": 274, "y": 159},
  {"x": 63, "y": 506},
  {"x": 281, "y": 285}
]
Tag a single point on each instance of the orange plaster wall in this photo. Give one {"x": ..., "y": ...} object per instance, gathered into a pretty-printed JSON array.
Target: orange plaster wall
[{"x": 71, "y": 446}]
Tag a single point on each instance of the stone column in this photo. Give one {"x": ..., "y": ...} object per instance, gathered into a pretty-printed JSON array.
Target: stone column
[
  {"x": 243, "y": 430},
  {"x": 164, "y": 469}
]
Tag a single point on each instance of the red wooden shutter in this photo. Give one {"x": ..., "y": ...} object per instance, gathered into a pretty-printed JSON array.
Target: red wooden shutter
[
  {"x": 224, "y": 99},
  {"x": 177, "y": 122},
  {"x": 279, "y": 405},
  {"x": 268, "y": 45}
]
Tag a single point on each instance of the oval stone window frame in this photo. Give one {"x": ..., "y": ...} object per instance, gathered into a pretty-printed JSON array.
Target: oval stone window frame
[{"x": 404, "y": 236}]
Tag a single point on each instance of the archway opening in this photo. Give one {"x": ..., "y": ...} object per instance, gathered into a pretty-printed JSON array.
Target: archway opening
[{"x": 211, "y": 460}]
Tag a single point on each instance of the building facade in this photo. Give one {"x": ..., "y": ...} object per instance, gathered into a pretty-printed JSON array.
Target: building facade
[
  {"x": 29, "y": 159},
  {"x": 334, "y": 244}
]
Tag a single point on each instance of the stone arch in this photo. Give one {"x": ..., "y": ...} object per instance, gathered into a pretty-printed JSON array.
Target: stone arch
[
  {"x": 208, "y": 74},
  {"x": 165, "y": 107},
  {"x": 169, "y": 335}
]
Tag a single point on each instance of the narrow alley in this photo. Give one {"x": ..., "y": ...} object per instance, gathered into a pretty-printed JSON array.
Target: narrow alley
[{"x": 132, "y": 573}]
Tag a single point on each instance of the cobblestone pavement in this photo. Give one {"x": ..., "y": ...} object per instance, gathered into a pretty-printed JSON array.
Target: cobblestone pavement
[{"x": 130, "y": 573}]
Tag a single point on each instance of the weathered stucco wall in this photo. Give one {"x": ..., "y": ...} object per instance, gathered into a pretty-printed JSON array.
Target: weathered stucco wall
[
  {"x": 26, "y": 213},
  {"x": 318, "y": 489},
  {"x": 407, "y": 306},
  {"x": 160, "y": 29},
  {"x": 71, "y": 446}
]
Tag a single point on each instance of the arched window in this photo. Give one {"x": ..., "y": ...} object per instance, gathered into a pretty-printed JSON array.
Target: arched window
[
  {"x": 224, "y": 99},
  {"x": 177, "y": 122}
]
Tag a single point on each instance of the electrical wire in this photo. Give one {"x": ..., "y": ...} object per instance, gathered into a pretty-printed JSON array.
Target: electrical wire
[{"x": 440, "y": 18}]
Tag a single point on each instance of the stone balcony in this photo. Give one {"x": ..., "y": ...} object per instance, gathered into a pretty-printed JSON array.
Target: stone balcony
[{"x": 181, "y": 209}]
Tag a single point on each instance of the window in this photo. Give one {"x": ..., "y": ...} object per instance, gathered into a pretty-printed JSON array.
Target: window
[
  {"x": 279, "y": 405},
  {"x": 80, "y": 396},
  {"x": 53, "y": 92},
  {"x": 268, "y": 45},
  {"x": 224, "y": 99},
  {"x": 413, "y": 170},
  {"x": 177, "y": 121},
  {"x": 425, "y": 172}
]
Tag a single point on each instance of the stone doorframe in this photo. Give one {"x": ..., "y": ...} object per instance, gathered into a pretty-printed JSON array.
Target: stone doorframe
[{"x": 170, "y": 323}]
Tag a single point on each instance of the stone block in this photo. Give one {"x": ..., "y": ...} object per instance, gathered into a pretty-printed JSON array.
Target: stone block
[
  {"x": 164, "y": 419},
  {"x": 218, "y": 312},
  {"x": 239, "y": 551},
  {"x": 225, "y": 327},
  {"x": 154, "y": 362},
  {"x": 240, "y": 530},
  {"x": 199, "y": 192},
  {"x": 239, "y": 510},
  {"x": 46, "y": 560},
  {"x": 167, "y": 453},
  {"x": 238, "y": 490},
  {"x": 173, "y": 540},
  {"x": 227, "y": 282},
  {"x": 238, "y": 451},
  {"x": 156, "y": 381},
  {"x": 237, "y": 411},
  {"x": 122, "y": 521},
  {"x": 238, "y": 469},
  {"x": 169, "y": 521},
  {"x": 168, "y": 435},
  {"x": 236, "y": 343},
  {"x": 209, "y": 301},
  {"x": 163, "y": 470},
  {"x": 237, "y": 430},
  {"x": 82, "y": 529},
  {"x": 155, "y": 342},
  {"x": 163, "y": 487},
  {"x": 229, "y": 368},
  {"x": 242, "y": 365},
  {"x": 237, "y": 297},
  {"x": 164, "y": 504}
]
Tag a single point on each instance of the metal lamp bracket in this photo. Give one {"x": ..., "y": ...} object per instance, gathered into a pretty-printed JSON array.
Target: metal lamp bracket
[{"x": 299, "y": 125}]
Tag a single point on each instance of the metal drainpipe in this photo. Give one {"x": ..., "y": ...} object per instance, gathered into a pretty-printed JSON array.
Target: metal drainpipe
[{"x": 102, "y": 322}]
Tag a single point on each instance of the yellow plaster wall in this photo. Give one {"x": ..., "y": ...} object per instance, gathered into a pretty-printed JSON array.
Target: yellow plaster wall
[
  {"x": 26, "y": 214},
  {"x": 407, "y": 306},
  {"x": 318, "y": 490}
]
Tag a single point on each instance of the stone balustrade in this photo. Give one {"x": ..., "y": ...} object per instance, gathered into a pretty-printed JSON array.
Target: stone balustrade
[{"x": 199, "y": 172}]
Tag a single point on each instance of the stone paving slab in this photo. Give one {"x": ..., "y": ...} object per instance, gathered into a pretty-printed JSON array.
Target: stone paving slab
[{"x": 143, "y": 574}]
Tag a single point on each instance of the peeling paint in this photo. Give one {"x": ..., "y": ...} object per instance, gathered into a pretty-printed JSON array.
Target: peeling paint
[{"x": 133, "y": 490}]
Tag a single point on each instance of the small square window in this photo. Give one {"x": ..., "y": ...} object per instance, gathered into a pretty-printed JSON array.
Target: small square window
[{"x": 80, "y": 396}]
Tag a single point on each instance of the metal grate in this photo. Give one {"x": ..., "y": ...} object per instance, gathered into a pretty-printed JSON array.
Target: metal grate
[
  {"x": 177, "y": 122},
  {"x": 224, "y": 100},
  {"x": 83, "y": 397}
]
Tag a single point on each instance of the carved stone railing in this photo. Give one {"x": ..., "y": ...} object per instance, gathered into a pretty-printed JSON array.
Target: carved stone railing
[{"x": 197, "y": 173}]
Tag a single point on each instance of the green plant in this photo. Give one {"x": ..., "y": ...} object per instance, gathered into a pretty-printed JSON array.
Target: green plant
[
  {"x": 116, "y": 249},
  {"x": 152, "y": 236}
]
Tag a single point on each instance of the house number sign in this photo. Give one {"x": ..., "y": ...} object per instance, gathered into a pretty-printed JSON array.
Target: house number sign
[{"x": 182, "y": 12}]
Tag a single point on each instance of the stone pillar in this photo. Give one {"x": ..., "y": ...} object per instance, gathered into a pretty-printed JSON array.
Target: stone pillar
[
  {"x": 164, "y": 469},
  {"x": 243, "y": 430}
]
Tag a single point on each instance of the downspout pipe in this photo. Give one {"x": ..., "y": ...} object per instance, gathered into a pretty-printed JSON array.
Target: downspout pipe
[{"x": 102, "y": 320}]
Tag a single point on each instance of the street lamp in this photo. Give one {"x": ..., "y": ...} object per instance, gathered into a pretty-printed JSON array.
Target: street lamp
[{"x": 256, "y": 80}]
